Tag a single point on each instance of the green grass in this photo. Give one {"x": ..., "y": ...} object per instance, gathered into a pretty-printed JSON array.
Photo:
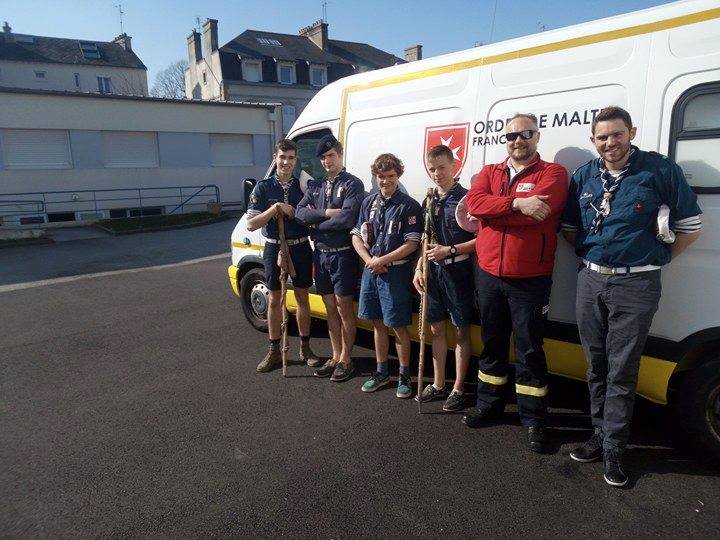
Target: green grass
[
  {"x": 22, "y": 241},
  {"x": 153, "y": 222}
]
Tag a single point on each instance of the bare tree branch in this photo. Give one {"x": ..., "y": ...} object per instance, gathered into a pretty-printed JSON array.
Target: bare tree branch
[{"x": 170, "y": 82}]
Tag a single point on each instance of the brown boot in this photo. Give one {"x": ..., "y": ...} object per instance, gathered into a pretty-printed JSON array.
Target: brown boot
[
  {"x": 306, "y": 355},
  {"x": 272, "y": 359}
]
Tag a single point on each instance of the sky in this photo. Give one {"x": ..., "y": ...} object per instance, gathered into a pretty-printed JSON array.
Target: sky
[{"x": 159, "y": 28}]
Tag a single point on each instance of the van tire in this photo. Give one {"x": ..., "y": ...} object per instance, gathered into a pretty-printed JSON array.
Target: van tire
[
  {"x": 698, "y": 409},
  {"x": 252, "y": 290}
]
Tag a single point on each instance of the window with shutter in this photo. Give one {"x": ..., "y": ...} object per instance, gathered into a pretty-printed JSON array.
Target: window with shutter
[
  {"x": 130, "y": 149},
  {"x": 227, "y": 150},
  {"x": 36, "y": 149}
]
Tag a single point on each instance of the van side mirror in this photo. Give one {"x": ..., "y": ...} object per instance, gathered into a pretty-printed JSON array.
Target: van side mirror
[{"x": 248, "y": 186}]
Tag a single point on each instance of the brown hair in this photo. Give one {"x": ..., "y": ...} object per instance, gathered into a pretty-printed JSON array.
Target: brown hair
[
  {"x": 529, "y": 116},
  {"x": 386, "y": 162},
  {"x": 338, "y": 147},
  {"x": 440, "y": 150},
  {"x": 612, "y": 113},
  {"x": 285, "y": 145}
]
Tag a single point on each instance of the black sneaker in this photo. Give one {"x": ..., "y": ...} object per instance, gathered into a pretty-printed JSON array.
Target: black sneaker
[
  {"x": 592, "y": 450},
  {"x": 326, "y": 370},
  {"x": 430, "y": 393},
  {"x": 474, "y": 418},
  {"x": 454, "y": 402},
  {"x": 342, "y": 372},
  {"x": 614, "y": 473}
]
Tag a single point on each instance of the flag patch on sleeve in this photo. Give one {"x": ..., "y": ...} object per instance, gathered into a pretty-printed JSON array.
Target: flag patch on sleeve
[{"x": 412, "y": 220}]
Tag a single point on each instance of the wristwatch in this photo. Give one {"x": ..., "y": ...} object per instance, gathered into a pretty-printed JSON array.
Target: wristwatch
[{"x": 453, "y": 250}]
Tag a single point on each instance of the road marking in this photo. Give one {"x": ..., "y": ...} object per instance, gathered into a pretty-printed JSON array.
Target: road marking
[{"x": 68, "y": 279}]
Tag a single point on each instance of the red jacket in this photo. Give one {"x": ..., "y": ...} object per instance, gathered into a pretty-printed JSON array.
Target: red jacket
[{"x": 509, "y": 243}]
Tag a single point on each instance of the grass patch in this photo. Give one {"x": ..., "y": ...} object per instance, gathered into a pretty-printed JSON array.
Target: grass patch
[
  {"x": 155, "y": 222},
  {"x": 9, "y": 242}
]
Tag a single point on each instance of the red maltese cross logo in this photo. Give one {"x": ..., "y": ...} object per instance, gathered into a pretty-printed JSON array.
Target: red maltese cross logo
[{"x": 455, "y": 137}]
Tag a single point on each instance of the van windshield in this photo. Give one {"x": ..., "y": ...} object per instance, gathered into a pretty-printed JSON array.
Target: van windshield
[{"x": 307, "y": 143}]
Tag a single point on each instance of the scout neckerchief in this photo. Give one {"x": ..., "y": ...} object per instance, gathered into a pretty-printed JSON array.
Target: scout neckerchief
[
  {"x": 286, "y": 188},
  {"x": 329, "y": 187},
  {"x": 610, "y": 184}
]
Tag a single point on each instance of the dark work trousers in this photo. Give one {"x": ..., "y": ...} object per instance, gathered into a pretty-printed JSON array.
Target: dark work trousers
[
  {"x": 614, "y": 314},
  {"x": 517, "y": 305}
]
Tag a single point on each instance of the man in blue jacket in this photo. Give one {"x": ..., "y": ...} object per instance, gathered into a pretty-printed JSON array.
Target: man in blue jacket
[
  {"x": 614, "y": 219},
  {"x": 330, "y": 208}
]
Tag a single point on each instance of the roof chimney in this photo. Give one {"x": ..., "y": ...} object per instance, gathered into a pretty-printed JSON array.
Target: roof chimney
[
  {"x": 413, "y": 53},
  {"x": 124, "y": 41},
  {"x": 7, "y": 33},
  {"x": 317, "y": 32},
  {"x": 210, "y": 37},
  {"x": 194, "y": 48}
]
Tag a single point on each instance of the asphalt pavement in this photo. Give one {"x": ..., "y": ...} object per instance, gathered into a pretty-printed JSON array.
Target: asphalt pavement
[{"x": 130, "y": 406}]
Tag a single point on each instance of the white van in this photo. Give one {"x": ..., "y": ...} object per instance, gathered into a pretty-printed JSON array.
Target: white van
[{"x": 661, "y": 64}]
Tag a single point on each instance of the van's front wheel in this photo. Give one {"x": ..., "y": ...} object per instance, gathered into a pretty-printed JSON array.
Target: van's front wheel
[
  {"x": 255, "y": 297},
  {"x": 699, "y": 408}
]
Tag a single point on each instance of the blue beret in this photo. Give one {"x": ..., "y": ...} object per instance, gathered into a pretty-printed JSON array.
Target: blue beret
[{"x": 327, "y": 143}]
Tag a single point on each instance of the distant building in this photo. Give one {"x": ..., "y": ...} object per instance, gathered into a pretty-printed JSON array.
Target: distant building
[
  {"x": 284, "y": 68},
  {"x": 75, "y": 65}
]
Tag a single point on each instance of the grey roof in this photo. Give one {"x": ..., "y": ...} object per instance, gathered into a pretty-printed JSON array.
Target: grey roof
[
  {"x": 95, "y": 95},
  {"x": 295, "y": 47},
  {"x": 50, "y": 50}
]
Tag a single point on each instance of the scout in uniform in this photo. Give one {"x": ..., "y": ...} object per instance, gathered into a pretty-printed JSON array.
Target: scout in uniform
[
  {"x": 449, "y": 280},
  {"x": 271, "y": 197},
  {"x": 386, "y": 236},
  {"x": 330, "y": 208},
  {"x": 614, "y": 219}
]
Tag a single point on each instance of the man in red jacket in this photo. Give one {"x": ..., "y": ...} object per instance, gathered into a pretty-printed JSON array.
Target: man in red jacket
[{"x": 519, "y": 203}]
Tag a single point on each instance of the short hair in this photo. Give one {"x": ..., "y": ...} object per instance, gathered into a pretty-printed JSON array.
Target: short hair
[
  {"x": 338, "y": 147},
  {"x": 613, "y": 112},
  {"x": 529, "y": 116},
  {"x": 440, "y": 150},
  {"x": 285, "y": 145},
  {"x": 386, "y": 162}
]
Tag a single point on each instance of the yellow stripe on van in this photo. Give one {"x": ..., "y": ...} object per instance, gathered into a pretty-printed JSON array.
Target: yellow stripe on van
[
  {"x": 254, "y": 247},
  {"x": 610, "y": 35},
  {"x": 564, "y": 358}
]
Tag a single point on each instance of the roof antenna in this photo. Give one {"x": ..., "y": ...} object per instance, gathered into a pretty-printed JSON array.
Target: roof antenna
[
  {"x": 492, "y": 25},
  {"x": 121, "y": 13},
  {"x": 324, "y": 6},
  {"x": 198, "y": 25}
]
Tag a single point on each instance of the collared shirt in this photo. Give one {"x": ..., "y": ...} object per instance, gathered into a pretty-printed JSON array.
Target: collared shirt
[
  {"x": 628, "y": 233},
  {"x": 389, "y": 222},
  {"x": 270, "y": 191},
  {"x": 345, "y": 192},
  {"x": 446, "y": 229}
]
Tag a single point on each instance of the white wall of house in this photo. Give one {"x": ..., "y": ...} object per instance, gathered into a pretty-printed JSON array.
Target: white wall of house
[
  {"x": 62, "y": 77},
  {"x": 203, "y": 78},
  {"x": 80, "y": 142}
]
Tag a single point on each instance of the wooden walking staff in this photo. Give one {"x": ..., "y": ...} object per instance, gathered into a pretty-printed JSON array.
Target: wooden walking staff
[
  {"x": 427, "y": 233},
  {"x": 286, "y": 267}
]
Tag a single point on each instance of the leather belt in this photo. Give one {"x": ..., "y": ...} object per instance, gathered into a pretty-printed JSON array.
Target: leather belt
[
  {"x": 289, "y": 242},
  {"x": 334, "y": 250},
  {"x": 607, "y": 270},
  {"x": 453, "y": 259}
]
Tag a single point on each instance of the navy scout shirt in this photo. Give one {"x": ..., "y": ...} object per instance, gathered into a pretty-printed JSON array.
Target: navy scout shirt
[
  {"x": 270, "y": 191},
  {"x": 628, "y": 235},
  {"x": 389, "y": 222},
  {"x": 345, "y": 192},
  {"x": 446, "y": 228}
]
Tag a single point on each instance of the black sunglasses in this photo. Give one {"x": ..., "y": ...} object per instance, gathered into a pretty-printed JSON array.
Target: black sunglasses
[{"x": 526, "y": 134}]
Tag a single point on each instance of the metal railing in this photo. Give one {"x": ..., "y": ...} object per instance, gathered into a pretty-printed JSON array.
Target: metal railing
[{"x": 101, "y": 200}]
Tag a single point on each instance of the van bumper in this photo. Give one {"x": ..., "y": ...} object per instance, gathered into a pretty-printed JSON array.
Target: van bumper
[{"x": 232, "y": 275}]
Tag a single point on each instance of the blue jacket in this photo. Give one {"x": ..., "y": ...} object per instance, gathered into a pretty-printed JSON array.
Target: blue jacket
[
  {"x": 347, "y": 194},
  {"x": 628, "y": 235},
  {"x": 446, "y": 228},
  {"x": 268, "y": 192}
]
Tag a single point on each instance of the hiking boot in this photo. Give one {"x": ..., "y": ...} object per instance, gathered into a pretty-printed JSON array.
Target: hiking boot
[
  {"x": 343, "y": 371},
  {"x": 474, "y": 417},
  {"x": 430, "y": 393},
  {"x": 326, "y": 370},
  {"x": 592, "y": 450},
  {"x": 308, "y": 356},
  {"x": 454, "y": 402},
  {"x": 404, "y": 387},
  {"x": 272, "y": 360},
  {"x": 375, "y": 382},
  {"x": 614, "y": 473}
]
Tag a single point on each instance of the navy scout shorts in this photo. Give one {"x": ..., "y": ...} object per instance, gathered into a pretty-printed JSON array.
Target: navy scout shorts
[
  {"x": 302, "y": 259},
  {"x": 387, "y": 296},
  {"x": 450, "y": 292},
  {"x": 336, "y": 272}
]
